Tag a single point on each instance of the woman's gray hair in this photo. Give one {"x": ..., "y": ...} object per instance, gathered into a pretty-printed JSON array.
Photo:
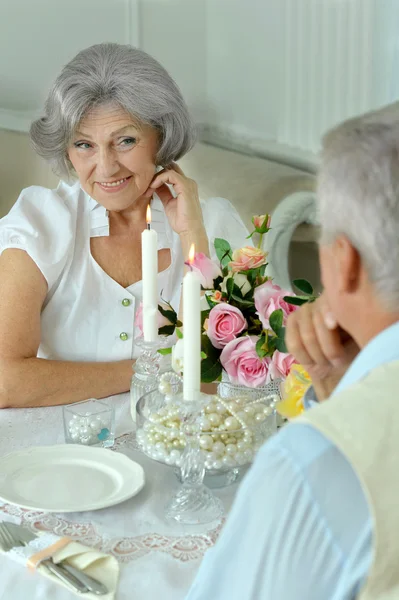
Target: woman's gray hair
[
  {"x": 358, "y": 195},
  {"x": 113, "y": 74}
]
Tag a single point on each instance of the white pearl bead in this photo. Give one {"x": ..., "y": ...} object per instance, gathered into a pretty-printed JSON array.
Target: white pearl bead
[
  {"x": 217, "y": 464},
  {"x": 259, "y": 417},
  {"x": 220, "y": 408},
  {"x": 267, "y": 411},
  {"x": 74, "y": 436},
  {"x": 205, "y": 424},
  {"x": 215, "y": 419},
  {"x": 248, "y": 454},
  {"x": 218, "y": 448},
  {"x": 250, "y": 410},
  {"x": 231, "y": 423},
  {"x": 231, "y": 449},
  {"x": 240, "y": 458},
  {"x": 241, "y": 446},
  {"x": 206, "y": 442}
]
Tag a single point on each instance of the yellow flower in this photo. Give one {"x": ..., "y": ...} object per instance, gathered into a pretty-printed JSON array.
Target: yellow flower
[{"x": 293, "y": 391}]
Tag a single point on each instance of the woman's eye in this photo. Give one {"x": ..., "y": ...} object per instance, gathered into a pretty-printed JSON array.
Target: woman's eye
[
  {"x": 83, "y": 145},
  {"x": 129, "y": 141}
]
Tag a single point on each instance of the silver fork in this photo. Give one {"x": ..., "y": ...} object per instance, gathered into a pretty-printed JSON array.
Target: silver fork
[{"x": 8, "y": 540}]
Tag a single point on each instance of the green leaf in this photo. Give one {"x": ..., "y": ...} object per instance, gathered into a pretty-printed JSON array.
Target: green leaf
[
  {"x": 208, "y": 348},
  {"x": 210, "y": 370},
  {"x": 276, "y": 320},
  {"x": 280, "y": 340},
  {"x": 217, "y": 282},
  {"x": 296, "y": 300},
  {"x": 304, "y": 286},
  {"x": 165, "y": 351},
  {"x": 179, "y": 333},
  {"x": 237, "y": 290},
  {"x": 280, "y": 345},
  {"x": 223, "y": 251},
  {"x": 211, "y": 303},
  {"x": 203, "y": 355},
  {"x": 242, "y": 304},
  {"x": 230, "y": 286},
  {"x": 166, "y": 330},
  {"x": 260, "y": 349}
]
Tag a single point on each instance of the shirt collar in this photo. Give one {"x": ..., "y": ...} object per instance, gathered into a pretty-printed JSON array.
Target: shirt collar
[
  {"x": 382, "y": 349},
  {"x": 99, "y": 221}
]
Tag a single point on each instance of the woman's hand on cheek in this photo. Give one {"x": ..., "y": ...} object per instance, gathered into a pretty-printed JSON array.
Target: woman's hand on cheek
[{"x": 183, "y": 211}]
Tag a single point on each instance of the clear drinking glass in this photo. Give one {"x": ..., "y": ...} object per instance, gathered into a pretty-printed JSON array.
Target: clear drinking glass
[{"x": 91, "y": 423}]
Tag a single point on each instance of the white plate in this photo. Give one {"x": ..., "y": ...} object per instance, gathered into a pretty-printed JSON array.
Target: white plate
[{"x": 68, "y": 478}]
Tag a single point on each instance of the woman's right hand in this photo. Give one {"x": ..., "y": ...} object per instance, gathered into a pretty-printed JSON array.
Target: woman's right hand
[{"x": 317, "y": 342}]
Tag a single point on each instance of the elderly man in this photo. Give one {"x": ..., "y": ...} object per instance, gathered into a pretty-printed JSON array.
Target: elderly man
[{"x": 318, "y": 516}]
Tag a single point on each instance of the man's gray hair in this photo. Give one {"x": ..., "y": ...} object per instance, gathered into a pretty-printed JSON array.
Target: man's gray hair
[
  {"x": 120, "y": 75},
  {"x": 358, "y": 195}
]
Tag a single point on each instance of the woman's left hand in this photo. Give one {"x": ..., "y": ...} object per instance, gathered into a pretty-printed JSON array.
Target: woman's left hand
[{"x": 183, "y": 212}]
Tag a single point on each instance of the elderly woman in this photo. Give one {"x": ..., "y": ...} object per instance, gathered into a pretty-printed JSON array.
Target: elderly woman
[{"x": 70, "y": 262}]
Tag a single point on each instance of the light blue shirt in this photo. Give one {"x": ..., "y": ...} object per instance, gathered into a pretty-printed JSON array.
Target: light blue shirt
[{"x": 300, "y": 527}]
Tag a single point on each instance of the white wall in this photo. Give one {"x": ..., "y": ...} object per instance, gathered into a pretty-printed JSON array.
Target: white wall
[{"x": 263, "y": 75}]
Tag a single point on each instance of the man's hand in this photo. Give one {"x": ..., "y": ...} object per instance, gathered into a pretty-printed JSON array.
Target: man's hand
[{"x": 320, "y": 345}]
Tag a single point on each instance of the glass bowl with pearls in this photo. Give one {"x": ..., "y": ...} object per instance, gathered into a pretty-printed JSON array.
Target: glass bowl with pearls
[
  {"x": 235, "y": 423},
  {"x": 91, "y": 423}
]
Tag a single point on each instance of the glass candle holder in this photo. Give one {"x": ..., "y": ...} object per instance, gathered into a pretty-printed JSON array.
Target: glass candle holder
[
  {"x": 148, "y": 366},
  {"x": 91, "y": 423}
]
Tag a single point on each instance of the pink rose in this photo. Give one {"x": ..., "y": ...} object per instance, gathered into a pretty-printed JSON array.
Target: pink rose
[
  {"x": 162, "y": 321},
  {"x": 281, "y": 365},
  {"x": 247, "y": 258},
  {"x": 225, "y": 323},
  {"x": 206, "y": 269},
  {"x": 268, "y": 298},
  {"x": 262, "y": 222},
  {"x": 242, "y": 363}
]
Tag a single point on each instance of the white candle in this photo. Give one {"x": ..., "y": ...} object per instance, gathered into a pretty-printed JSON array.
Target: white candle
[
  {"x": 192, "y": 333},
  {"x": 149, "y": 263}
]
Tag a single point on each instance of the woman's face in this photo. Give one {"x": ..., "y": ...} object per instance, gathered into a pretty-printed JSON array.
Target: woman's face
[{"x": 113, "y": 157}]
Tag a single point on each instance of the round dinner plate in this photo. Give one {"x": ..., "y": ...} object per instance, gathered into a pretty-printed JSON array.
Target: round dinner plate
[{"x": 68, "y": 478}]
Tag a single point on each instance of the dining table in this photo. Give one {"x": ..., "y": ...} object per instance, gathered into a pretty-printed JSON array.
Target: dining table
[{"x": 157, "y": 558}]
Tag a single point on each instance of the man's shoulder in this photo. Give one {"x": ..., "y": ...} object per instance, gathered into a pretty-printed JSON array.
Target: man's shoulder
[{"x": 298, "y": 443}]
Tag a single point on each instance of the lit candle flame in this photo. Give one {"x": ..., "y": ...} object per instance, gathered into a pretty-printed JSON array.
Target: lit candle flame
[
  {"x": 148, "y": 216},
  {"x": 191, "y": 254}
]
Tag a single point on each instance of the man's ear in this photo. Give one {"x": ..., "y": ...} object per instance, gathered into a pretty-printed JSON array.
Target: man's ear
[{"x": 347, "y": 265}]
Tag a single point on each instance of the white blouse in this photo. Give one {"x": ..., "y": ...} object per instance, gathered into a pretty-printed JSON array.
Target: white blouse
[{"x": 87, "y": 315}]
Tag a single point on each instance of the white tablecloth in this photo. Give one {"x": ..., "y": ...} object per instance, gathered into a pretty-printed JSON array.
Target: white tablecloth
[{"x": 157, "y": 560}]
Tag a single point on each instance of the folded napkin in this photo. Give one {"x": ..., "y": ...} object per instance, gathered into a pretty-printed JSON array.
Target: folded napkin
[{"x": 102, "y": 567}]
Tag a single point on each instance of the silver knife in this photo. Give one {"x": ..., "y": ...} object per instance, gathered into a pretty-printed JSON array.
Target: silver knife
[{"x": 89, "y": 583}]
